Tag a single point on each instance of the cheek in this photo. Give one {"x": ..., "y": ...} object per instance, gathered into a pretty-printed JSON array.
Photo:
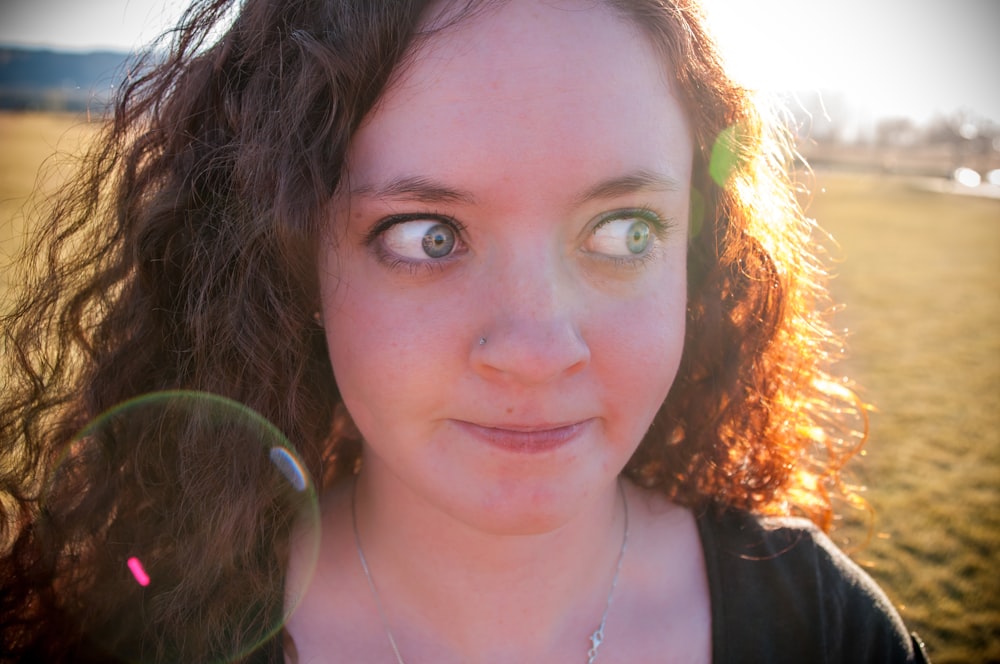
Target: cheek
[
  {"x": 386, "y": 349},
  {"x": 354, "y": 333},
  {"x": 357, "y": 314},
  {"x": 639, "y": 346},
  {"x": 358, "y": 349}
]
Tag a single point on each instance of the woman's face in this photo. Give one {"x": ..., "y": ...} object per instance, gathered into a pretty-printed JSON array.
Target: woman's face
[{"x": 504, "y": 282}]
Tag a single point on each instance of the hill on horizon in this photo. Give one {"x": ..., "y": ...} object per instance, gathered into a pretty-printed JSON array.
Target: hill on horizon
[{"x": 38, "y": 79}]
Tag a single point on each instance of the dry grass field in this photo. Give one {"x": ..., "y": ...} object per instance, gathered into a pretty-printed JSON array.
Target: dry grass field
[
  {"x": 920, "y": 276},
  {"x": 35, "y": 153},
  {"x": 920, "y": 273}
]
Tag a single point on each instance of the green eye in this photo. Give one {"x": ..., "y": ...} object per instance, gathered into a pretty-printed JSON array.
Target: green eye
[
  {"x": 621, "y": 238},
  {"x": 420, "y": 239}
]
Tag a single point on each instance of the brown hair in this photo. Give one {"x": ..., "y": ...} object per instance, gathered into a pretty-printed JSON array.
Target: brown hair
[
  {"x": 753, "y": 420},
  {"x": 182, "y": 258}
]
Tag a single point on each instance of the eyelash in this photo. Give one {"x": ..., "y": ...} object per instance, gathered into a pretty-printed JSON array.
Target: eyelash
[{"x": 659, "y": 224}]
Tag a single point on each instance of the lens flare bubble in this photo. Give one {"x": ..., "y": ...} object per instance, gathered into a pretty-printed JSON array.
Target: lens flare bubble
[
  {"x": 285, "y": 461},
  {"x": 188, "y": 526},
  {"x": 967, "y": 177}
]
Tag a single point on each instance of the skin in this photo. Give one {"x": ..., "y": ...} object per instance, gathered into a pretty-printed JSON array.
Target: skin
[{"x": 539, "y": 138}]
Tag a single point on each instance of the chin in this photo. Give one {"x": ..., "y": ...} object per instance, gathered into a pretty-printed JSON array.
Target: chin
[{"x": 522, "y": 507}]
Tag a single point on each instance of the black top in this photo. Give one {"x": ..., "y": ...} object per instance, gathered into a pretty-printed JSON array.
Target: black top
[{"x": 781, "y": 591}]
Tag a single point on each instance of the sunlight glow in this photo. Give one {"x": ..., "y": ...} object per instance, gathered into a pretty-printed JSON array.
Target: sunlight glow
[{"x": 893, "y": 57}]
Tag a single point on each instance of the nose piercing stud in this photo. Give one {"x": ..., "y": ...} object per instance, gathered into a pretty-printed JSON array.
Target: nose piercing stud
[{"x": 482, "y": 341}]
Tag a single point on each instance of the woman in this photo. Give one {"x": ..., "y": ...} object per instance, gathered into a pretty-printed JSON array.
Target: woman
[{"x": 525, "y": 287}]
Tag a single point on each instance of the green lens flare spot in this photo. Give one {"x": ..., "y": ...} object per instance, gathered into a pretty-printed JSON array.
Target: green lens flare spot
[{"x": 726, "y": 155}]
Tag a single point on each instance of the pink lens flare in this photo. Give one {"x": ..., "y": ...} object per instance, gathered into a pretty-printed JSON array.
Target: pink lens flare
[{"x": 138, "y": 572}]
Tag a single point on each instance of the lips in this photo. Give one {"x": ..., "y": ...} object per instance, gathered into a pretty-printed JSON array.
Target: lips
[{"x": 526, "y": 439}]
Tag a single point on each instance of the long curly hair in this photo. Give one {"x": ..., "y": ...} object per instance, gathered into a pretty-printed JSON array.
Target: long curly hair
[{"x": 182, "y": 257}]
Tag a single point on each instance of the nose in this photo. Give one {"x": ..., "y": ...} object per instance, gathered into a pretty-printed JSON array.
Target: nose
[{"x": 533, "y": 334}]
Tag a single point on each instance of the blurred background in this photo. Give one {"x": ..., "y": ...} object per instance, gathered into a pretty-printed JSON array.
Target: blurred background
[{"x": 896, "y": 106}]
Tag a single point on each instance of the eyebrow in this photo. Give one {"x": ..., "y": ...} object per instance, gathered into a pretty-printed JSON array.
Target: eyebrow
[
  {"x": 639, "y": 180},
  {"x": 416, "y": 189},
  {"x": 426, "y": 190}
]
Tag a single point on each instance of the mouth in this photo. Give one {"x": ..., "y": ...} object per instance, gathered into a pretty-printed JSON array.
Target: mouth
[{"x": 525, "y": 439}]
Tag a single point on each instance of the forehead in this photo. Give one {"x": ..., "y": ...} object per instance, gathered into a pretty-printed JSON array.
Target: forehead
[{"x": 530, "y": 84}]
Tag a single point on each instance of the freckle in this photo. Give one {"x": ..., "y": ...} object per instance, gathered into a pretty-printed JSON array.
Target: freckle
[{"x": 510, "y": 410}]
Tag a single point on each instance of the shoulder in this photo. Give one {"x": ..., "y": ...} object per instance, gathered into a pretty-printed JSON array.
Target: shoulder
[{"x": 783, "y": 592}]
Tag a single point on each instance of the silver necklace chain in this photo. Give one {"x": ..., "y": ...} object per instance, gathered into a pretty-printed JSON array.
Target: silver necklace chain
[{"x": 596, "y": 639}]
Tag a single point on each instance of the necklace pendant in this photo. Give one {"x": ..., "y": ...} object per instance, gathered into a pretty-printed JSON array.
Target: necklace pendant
[{"x": 595, "y": 642}]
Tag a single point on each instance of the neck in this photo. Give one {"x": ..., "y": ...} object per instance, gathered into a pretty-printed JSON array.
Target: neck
[{"x": 452, "y": 590}]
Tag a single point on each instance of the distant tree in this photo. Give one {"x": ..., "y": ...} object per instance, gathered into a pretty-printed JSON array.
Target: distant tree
[{"x": 896, "y": 132}]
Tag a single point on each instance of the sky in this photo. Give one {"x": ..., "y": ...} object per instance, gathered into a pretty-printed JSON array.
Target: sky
[{"x": 913, "y": 58}]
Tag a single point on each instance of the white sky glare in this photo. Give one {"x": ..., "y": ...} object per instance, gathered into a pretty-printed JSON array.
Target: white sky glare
[
  {"x": 891, "y": 57},
  {"x": 887, "y": 57}
]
